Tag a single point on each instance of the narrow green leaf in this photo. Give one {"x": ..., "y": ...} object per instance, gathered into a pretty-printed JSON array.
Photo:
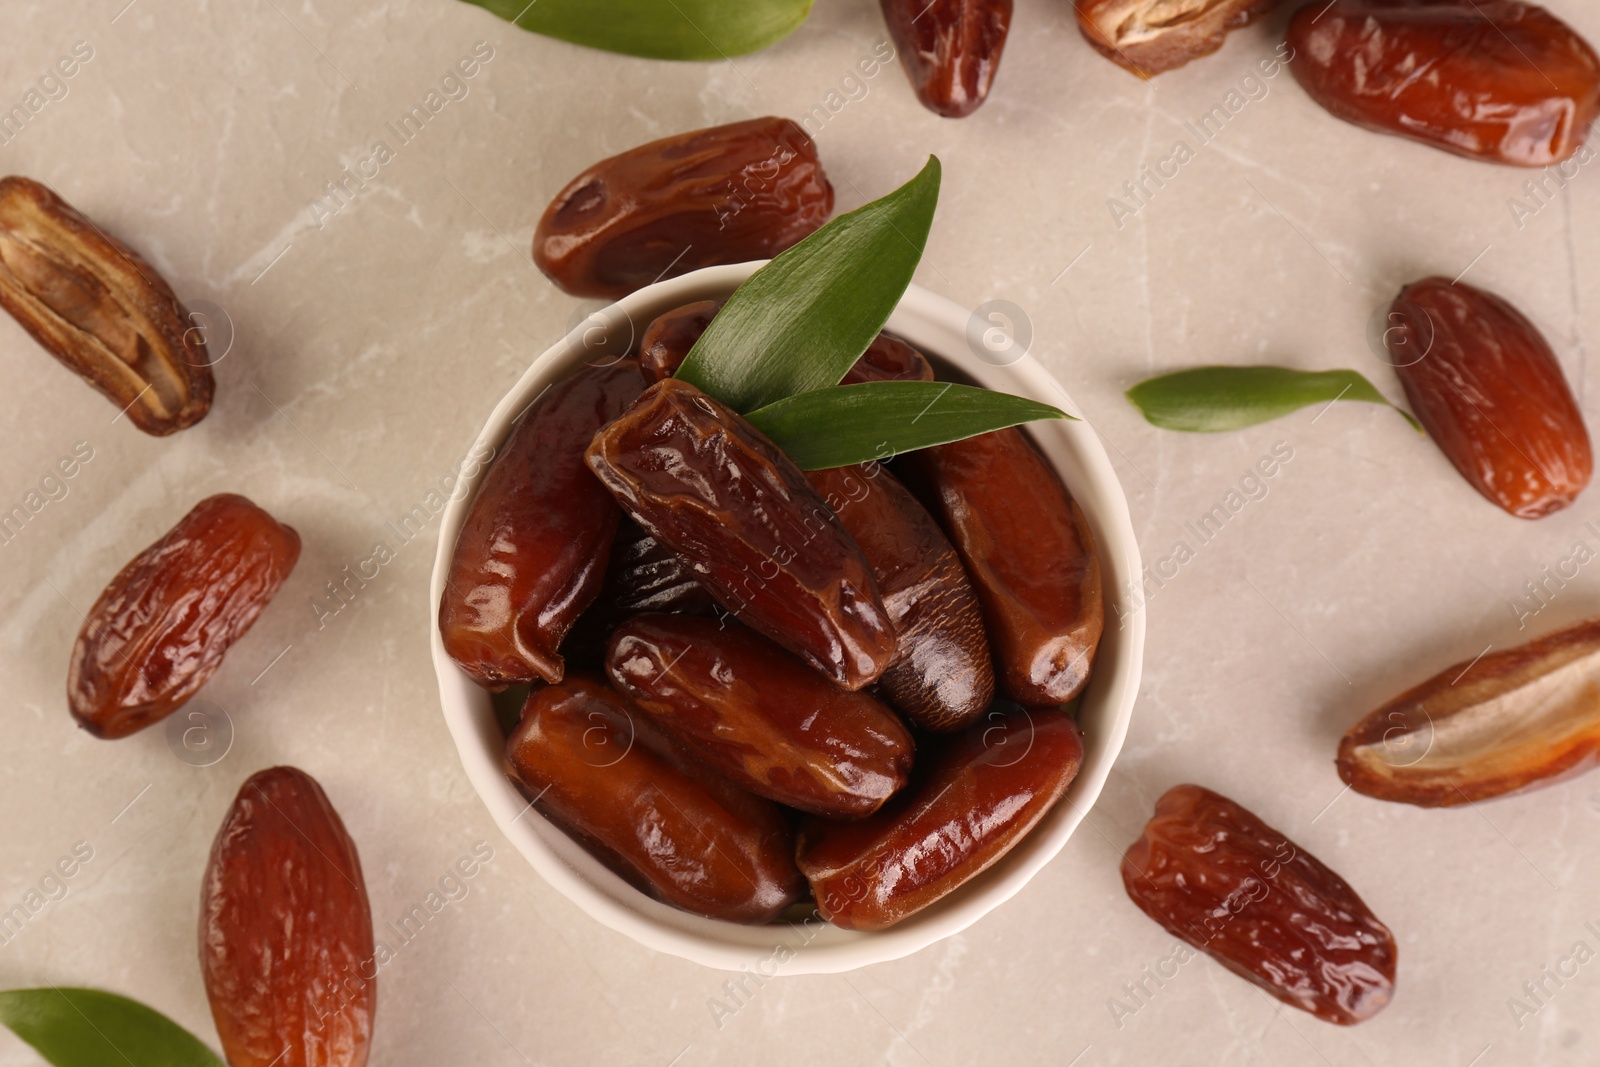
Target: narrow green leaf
[
  {"x": 846, "y": 424},
  {"x": 800, "y": 322},
  {"x": 87, "y": 1028},
  {"x": 1209, "y": 399},
  {"x": 659, "y": 29}
]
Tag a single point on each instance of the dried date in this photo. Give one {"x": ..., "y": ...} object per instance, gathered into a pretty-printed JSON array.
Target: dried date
[
  {"x": 1030, "y": 555},
  {"x": 950, "y": 49},
  {"x": 1220, "y": 879},
  {"x": 979, "y": 794},
  {"x": 708, "y": 485},
  {"x": 728, "y": 194},
  {"x": 101, "y": 310},
  {"x": 943, "y": 677},
  {"x": 533, "y": 549},
  {"x": 1485, "y": 385},
  {"x": 1506, "y": 722},
  {"x": 691, "y": 837},
  {"x": 286, "y": 946},
  {"x": 758, "y": 714},
  {"x": 1149, "y": 37},
  {"x": 1498, "y": 80},
  {"x": 163, "y": 625}
]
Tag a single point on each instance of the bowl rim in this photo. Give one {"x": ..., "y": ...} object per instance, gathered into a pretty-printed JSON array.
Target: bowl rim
[{"x": 928, "y": 321}]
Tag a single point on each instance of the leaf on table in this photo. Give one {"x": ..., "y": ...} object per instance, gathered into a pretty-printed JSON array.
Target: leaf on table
[
  {"x": 845, "y": 424},
  {"x": 89, "y": 1028},
  {"x": 659, "y": 29},
  {"x": 1211, "y": 399}
]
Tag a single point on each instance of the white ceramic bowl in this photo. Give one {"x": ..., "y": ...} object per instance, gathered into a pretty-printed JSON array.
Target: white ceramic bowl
[{"x": 939, "y": 328}]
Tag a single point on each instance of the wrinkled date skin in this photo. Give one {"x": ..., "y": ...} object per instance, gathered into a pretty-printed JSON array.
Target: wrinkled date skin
[
  {"x": 1496, "y": 80},
  {"x": 533, "y": 550},
  {"x": 100, "y": 309},
  {"x": 694, "y": 839},
  {"x": 1485, "y": 385},
  {"x": 645, "y": 576},
  {"x": 1506, "y": 722},
  {"x": 667, "y": 341},
  {"x": 1150, "y": 37},
  {"x": 728, "y": 194},
  {"x": 286, "y": 946},
  {"x": 1030, "y": 555},
  {"x": 758, "y": 714},
  {"x": 161, "y": 628},
  {"x": 1217, "y": 877},
  {"x": 708, "y": 485},
  {"x": 950, "y": 49},
  {"x": 943, "y": 678},
  {"x": 977, "y": 797}
]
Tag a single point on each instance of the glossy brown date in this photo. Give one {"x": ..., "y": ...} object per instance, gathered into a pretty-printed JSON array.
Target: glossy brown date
[
  {"x": 669, "y": 337},
  {"x": 691, "y": 837},
  {"x": 1220, "y": 879},
  {"x": 1497, "y": 80},
  {"x": 943, "y": 677},
  {"x": 286, "y": 946},
  {"x": 950, "y": 49},
  {"x": 1485, "y": 385},
  {"x": 708, "y": 485},
  {"x": 728, "y": 194},
  {"x": 645, "y": 576},
  {"x": 751, "y": 710},
  {"x": 1505, "y": 722},
  {"x": 101, "y": 310},
  {"x": 1030, "y": 555},
  {"x": 533, "y": 548},
  {"x": 979, "y": 794},
  {"x": 1149, "y": 37},
  {"x": 163, "y": 625}
]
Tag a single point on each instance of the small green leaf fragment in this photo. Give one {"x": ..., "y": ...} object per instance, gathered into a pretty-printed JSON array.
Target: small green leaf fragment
[
  {"x": 89, "y": 1028},
  {"x": 659, "y": 29},
  {"x": 800, "y": 322},
  {"x": 845, "y": 424},
  {"x": 1212, "y": 399}
]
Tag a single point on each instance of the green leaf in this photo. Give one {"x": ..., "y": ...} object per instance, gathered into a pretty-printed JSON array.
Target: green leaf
[
  {"x": 1209, "y": 399},
  {"x": 659, "y": 29},
  {"x": 800, "y": 322},
  {"x": 846, "y": 424},
  {"x": 88, "y": 1028}
]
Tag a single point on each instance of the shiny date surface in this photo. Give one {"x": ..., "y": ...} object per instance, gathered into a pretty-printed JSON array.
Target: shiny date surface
[
  {"x": 1498, "y": 80},
  {"x": 684, "y": 833},
  {"x": 705, "y": 483},
  {"x": 1486, "y": 386},
  {"x": 727, "y": 194},
  {"x": 748, "y": 708},
  {"x": 950, "y": 49},
  {"x": 163, "y": 625},
  {"x": 1030, "y": 555},
  {"x": 979, "y": 794},
  {"x": 1216, "y": 876},
  {"x": 533, "y": 548},
  {"x": 943, "y": 677}
]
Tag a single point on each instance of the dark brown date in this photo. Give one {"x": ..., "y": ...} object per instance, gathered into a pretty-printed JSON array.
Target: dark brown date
[
  {"x": 1488, "y": 79},
  {"x": 1030, "y": 555},
  {"x": 728, "y": 194},
  {"x": 1484, "y": 383},
  {"x": 163, "y": 625},
  {"x": 943, "y": 677},
  {"x": 645, "y": 576},
  {"x": 1217, "y": 877},
  {"x": 708, "y": 485},
  {"x": 533, "y": 549},
  {"x": 689, "y": 835},
  {"x": 977, "y": 796},
  {"x": 101, "y": 310},
  {"x": 753, "y": 711},
  {"x": 1149, "y": 37},
  {"x": 669, "y": 337},
  {"x": 950, "y": 49},
  {"x": 286, "y": 946}
]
